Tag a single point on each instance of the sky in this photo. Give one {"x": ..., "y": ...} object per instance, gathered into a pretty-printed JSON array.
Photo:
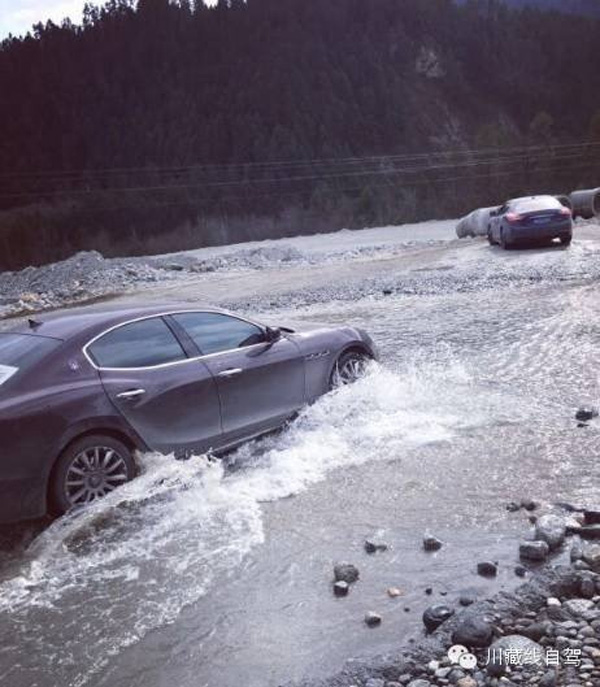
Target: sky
[{"x": 17, "y": 16}]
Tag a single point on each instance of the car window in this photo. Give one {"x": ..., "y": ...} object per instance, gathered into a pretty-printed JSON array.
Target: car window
[
  {"x": 537, "y": 204},
  {"x": 21, "y": 351},
  {"x": 214, "y": 332},
  {"x": 139, "y": 344}
]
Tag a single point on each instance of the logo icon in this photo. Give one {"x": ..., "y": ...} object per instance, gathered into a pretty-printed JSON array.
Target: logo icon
[{"x": 460, "y": 655}]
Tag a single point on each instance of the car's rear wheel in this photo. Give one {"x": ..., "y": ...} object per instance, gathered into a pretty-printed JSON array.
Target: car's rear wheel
[
  {"x": 89, "y": 469},
  {"x": 349, "y": 368}
]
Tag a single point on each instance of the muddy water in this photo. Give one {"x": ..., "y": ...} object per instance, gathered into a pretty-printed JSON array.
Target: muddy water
[{"x": 219, "y": 574}]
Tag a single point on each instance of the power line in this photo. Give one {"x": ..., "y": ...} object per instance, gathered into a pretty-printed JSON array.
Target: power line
[
  {"x": 568, "y": 154},
  {"x": 415, "y": 182},
  {"x": 286, "y": 164}
]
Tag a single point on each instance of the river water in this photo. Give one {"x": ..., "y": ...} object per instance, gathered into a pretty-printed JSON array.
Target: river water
[{"x": 219, "y": 574}]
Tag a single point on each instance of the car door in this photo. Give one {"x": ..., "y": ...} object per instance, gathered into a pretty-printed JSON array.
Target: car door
[
  {"x": 260, "y": 382},
  {"x": 169, "y": 399}
]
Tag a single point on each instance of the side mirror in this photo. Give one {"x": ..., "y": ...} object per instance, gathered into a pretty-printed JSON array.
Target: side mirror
[{"x": 272, "y": 334}]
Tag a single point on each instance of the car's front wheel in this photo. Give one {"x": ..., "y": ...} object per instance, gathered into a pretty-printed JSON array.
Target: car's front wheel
[
  {"x": 89, "y": 469},
  {"x": 349, "y": 368},
  {"x": 566, "y": 240}
]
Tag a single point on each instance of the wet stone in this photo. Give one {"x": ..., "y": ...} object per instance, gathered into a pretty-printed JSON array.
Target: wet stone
[
  {"x": 372, "y": 619},
  {"x": 487, "y": 569},
  {"x": 345, "y": 572}
]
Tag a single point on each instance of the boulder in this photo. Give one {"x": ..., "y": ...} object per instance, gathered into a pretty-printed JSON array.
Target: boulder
[
  {"x": 345, "y": 572},
  {"x": 374, "y": 547},
  {"x": 341, "y": 588},
  {"x": 487, "y": 569},
  {"x": 591, "y": 555},
  {"x": 473, "y": 632},
  {"x": 592, "y": 515},
  {"x": 372, "y": 619},
  {"x": 578, "y": 607},
  {"x": 534, "y": 550},
  {"x": 434, "y": 616},
  {"x": 467, "y": 681},
  {"x": 552, "y": 530},
  {"x": 588, "y": 531},
  {"x": 432, "y": 544},
  {"x": 586, "y": 414}
]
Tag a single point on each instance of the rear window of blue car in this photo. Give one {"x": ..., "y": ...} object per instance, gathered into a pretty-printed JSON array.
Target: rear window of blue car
[
  {"x": 537, "y": 205},
  {"x": 19, "y": 352}
]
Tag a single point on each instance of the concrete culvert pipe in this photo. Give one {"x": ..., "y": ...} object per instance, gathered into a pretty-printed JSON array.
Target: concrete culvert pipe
[
  {"x": 586, "y": 204},
  {"x": 565, "y": 200},
  {"x": 475, "y": 223}
]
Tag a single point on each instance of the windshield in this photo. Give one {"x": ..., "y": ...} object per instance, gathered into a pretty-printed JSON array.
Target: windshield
[
  {"x": 19, "y": 352},
  {"x": 537, "y": 205}
]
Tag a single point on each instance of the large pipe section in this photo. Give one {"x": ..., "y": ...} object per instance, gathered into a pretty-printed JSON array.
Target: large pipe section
[
  {"x": 475, "y": 223},
  {"x": 586, "y": 203},
  {"x": 565, "y": 201}
]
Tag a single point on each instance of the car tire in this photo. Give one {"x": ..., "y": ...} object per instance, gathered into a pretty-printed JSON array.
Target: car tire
[
  {"x": 87, "y": 470},
  {"x": 349, "y": 368},
  {"x": 490, "y": 237},
  {"x": 503, "y": 242},
  {"x": 566, "y": 241}
]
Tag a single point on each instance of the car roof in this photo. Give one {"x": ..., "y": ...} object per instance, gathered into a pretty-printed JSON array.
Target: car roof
[
  {"x": 90, "y": 322},
  {"x": 525, "y": 199}
]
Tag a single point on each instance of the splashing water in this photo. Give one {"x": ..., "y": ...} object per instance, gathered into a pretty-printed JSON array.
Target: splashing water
[{"x": 132, "y": 562}]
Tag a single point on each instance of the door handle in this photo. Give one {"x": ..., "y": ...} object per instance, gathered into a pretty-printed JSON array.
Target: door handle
[
  {"x": 131, "y": 394},
  {"x": 231, "y": 372}
]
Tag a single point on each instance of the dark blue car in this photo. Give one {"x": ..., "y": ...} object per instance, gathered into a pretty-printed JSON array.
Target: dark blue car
[{"x": 536, "y": 219}]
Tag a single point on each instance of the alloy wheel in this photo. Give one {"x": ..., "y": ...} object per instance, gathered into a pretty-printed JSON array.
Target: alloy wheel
[
  {"x": 349, "y": 369},
  {"x": 94, "y": 473}
]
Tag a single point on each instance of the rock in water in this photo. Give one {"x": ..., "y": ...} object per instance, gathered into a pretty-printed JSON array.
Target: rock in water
[
  {"x": 592, "y": 515},
  {"x": 341, "y": 588},
  {"x": 373, "y": 547},
  {"x": 432, "y": 544},
  {"x": 534, "y": 550},
  {"x": 345, "y": 572},
  {"x": 434, "y": 616},
  {"x": 586, "y": 414},
  {"x": 372, "y": 619},
  {"x": 487, "y": 569},
  {"x": 552, "y": 530},
  {"x": 589, "y": 531},
  {"x": 474, "y": 632}
]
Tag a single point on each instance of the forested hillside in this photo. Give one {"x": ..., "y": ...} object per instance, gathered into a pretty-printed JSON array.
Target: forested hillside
[{"x": 162, "y": 126}]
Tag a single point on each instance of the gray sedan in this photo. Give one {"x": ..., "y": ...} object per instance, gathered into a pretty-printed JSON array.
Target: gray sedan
[{"x": 80, "y": 393}]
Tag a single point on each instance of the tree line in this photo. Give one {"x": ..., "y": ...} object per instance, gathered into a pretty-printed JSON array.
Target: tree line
[{"x": 157, "y": 126}]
